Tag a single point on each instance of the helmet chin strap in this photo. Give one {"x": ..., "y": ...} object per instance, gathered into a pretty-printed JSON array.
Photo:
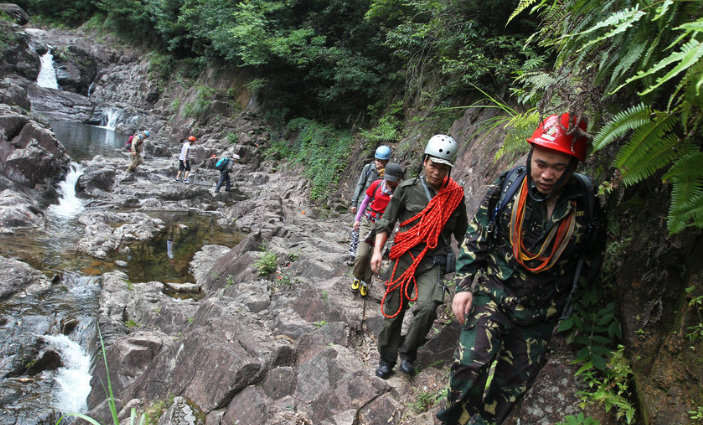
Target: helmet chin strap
[{"x": 532, "y": 189}]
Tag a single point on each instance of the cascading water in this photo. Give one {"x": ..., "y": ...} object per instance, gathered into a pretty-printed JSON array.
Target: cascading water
[
  {"x": 47, "y": 73},
  {"x": 110, "y": 118},
  {"x": 69, "y": 205},
  {"x": 73, "y": 378}
]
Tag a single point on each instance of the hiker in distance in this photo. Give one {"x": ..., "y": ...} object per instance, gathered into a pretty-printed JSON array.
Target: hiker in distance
[
  {"x": 224, "y": 165},
  {"x": 184, "y": 160},
  {"x": 370, "y": 211},
  {"x": 370, "y": 173},
  {"x": 536, "y": 231},
  {"x": 137, "y": 148},
  {"x": 430, "y": 210}
]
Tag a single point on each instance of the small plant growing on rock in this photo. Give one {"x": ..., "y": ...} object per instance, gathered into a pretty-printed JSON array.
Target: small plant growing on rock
[
  {"x": 267, "y": 263},
  {"x": 230, "y": 280},
  {"x": 581, "y": 419},
  {"x": 320, "y": 323}
]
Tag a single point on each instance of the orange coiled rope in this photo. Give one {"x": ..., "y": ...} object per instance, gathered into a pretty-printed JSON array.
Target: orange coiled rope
[
  {"x": 431, "y": 222},
  {"x": 563, "y": 233}
]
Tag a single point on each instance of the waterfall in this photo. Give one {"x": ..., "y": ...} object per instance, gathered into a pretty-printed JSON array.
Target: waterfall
[
  {"x": 47, "y": 73},
  {"x": 69, "y": 206},
  {"x": 73, "y": 378},
  {"x": 110, "y": 117}
]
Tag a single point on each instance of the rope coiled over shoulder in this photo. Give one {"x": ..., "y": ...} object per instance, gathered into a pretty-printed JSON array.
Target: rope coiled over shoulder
[{"x": 431, "y": 221}]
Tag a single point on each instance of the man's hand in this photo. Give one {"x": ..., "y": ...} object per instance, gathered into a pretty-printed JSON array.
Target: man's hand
[
  {"x": 352, "y": 210},
  {"x": 376, "y": 261},
  {"x": 356, "y": 225},
  {"x": 461, "y": 305}
]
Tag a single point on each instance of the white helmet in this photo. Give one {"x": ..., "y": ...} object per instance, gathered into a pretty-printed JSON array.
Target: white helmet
[{"x": 442, "y": 149}]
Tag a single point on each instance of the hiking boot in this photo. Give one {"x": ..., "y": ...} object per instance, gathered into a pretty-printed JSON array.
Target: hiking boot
[
  {"x": 406, "y": 366},
  {"x": 186, "y": 181},
  {"x": 384, "y": 370},
  {"x": 355, "y": 285},
  {"x": 364, "y": 289},
  {"x": 178, "y": 180}
]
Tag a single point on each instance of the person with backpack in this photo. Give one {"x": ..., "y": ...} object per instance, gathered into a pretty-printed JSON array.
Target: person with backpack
[
  {"x": 430, "y": 209},
  {"x": 136, "y": 150},
  {"x": 370, "y": 211},
  {"x": 184, "y": 161},
  {"x": 224, "y": 165},
  {"x": 370, "y": 173},
  {"x": 535, "y": 234}
]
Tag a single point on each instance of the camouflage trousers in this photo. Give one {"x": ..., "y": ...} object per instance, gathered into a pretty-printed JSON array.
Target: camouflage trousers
[
  {"x": 136, "y": 162},
  {"x": 489, "y": 336}
]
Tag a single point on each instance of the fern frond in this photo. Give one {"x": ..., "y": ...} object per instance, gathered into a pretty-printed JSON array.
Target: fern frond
[
  {"x": 622, "y": 20},
  {"x": 524, "y": 4},
  {"x": 649, "y": 149},
  {"x": 622, "y": 123},
  {"x": 688, "y": 56},
  {"x": 687, "y": 193}
]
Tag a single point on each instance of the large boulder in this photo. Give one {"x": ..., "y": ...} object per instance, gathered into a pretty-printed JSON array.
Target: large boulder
[
  {"x": 18, "y": 57},
  {"x": 18, "y": 211},
  {"x": 19, "y": 276},
  {"x": 29, "y": 151},
  {"x": 13, "y": 94},
  {"x": 15, "y": 12}
]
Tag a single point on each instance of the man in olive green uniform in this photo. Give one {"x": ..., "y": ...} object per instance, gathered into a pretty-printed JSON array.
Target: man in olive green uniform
[
  {"x": 137, "y": 148},
  {"x": 431, "y": 209},
  {"x": 525, "y": 259}
]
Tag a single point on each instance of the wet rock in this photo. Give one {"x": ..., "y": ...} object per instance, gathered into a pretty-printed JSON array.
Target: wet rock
[
  {"x": 18, "y": 211},
  {"x": 29, "y": 151},
  {"x": 19, "y": 276},
  {"x": 98, "y": 179},
  {"x": 49, "y": 360}
]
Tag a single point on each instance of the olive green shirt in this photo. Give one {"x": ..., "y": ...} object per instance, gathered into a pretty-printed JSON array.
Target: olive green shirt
[{"x": 408, "y": 200}]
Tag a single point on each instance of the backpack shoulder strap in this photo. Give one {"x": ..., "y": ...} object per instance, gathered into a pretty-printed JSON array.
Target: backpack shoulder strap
[
  {"x": 510, "y": 185},
  {"x": 587, "y": 185}
]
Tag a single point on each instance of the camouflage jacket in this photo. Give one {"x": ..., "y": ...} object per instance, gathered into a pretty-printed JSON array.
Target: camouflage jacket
[
  {"x": 409, "y": 199},
  {"x": 525, "y": 296}
]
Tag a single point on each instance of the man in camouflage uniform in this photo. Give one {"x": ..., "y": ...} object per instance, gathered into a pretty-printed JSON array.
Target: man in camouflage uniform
[
  {"x": 137, "y": 148},
  {"x": 426, "y": 256},
  {"x": 524, "y": 273}
]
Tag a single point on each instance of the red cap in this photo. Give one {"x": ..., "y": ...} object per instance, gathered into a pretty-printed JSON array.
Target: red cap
[
  {"x": 553, "y": 134},
  {"x": 192, "y": 138}
]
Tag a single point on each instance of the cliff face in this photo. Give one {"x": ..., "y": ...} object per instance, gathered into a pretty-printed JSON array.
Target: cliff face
[{"x": 295, "y": 346}]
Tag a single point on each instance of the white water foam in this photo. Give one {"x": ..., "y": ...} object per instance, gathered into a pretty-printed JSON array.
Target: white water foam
[
  {"x": 73, "y": 378},
  {"x": 69, "y": 205},
  {"x": 110, "y": 118},
  {"x": 47, "y": 73}
]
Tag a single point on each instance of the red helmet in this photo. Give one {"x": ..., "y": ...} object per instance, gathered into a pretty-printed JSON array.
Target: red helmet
[
  {"x": 552, "y": 134},
  {"x": 192, "y": 138}
]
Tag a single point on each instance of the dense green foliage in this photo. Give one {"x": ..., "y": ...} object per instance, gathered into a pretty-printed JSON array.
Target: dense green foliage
[
  {"x": 333, "y": 61},
  {"x": 634, "y": 68}
]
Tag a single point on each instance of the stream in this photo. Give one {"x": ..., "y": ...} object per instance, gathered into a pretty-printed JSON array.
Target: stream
[{"x": 61, "y": 321}]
